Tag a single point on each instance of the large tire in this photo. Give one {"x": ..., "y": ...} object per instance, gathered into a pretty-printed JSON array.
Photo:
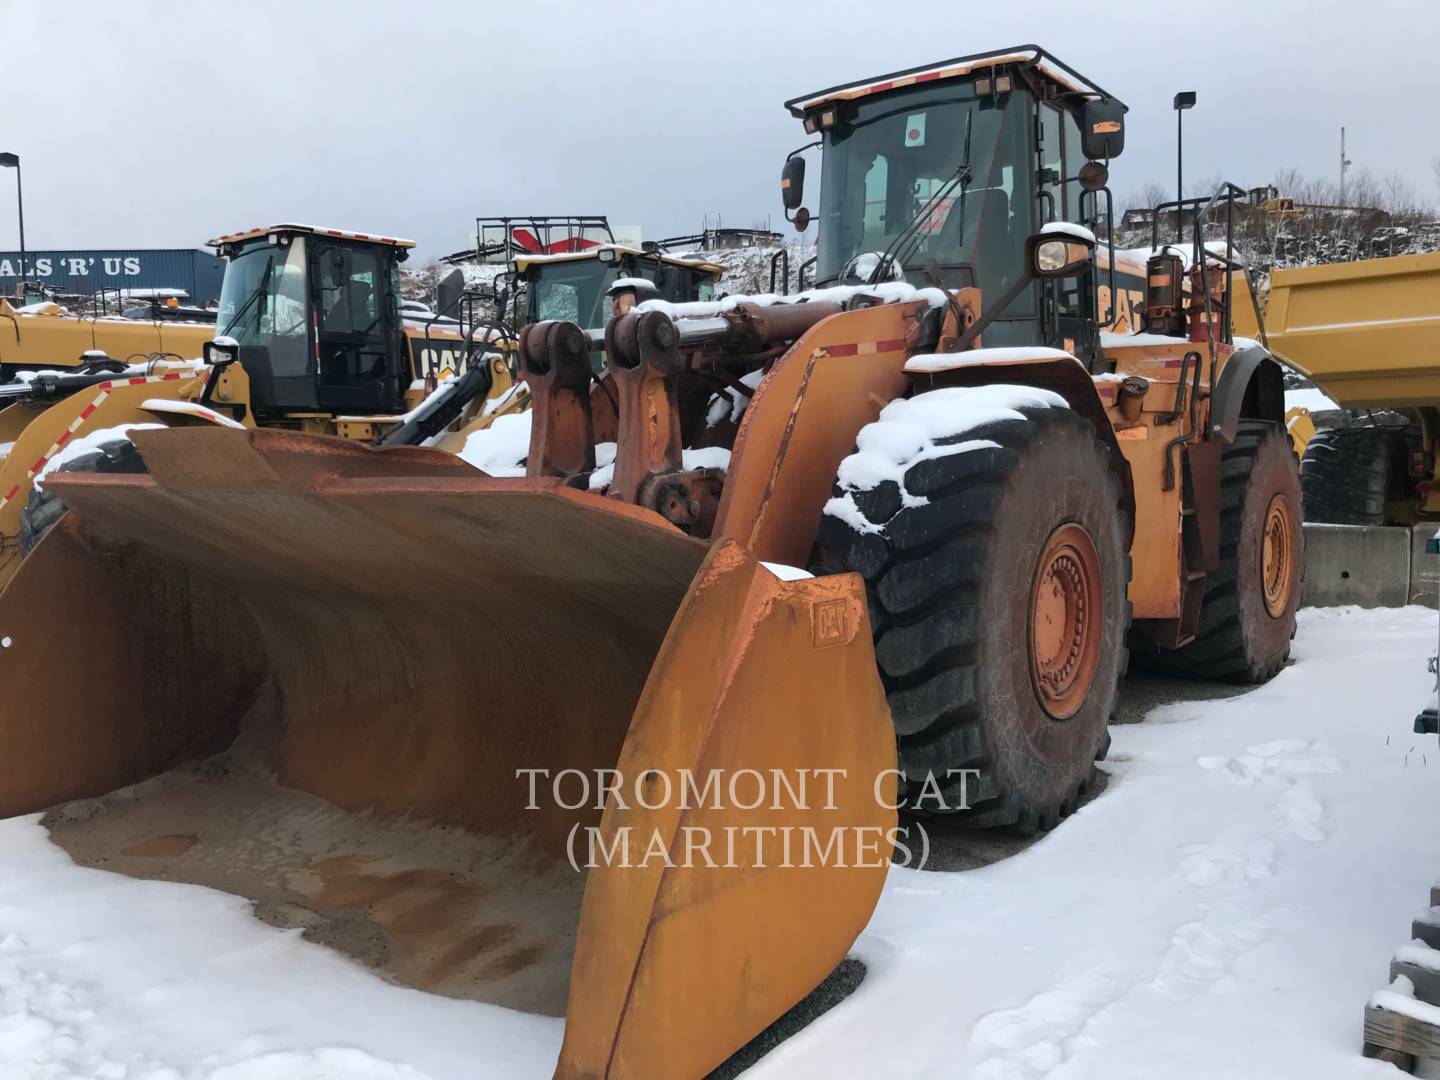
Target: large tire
[
  {"x": 952, "y": 560},
  {"x": 1247, "y": 617},
  {"x": 1348, "y": 473},
  {"x": 44, "y": 507}
]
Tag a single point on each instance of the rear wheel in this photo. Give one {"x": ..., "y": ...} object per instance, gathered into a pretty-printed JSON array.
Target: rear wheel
[
  {"x": 1348, "y": 472},
  {"x": 44, "y": 507},
  {"x": 1247, "y": 617},
  {"x": 996, "y": 572}
]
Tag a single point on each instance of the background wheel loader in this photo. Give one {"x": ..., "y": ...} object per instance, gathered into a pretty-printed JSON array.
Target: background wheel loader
[
  {"x": 390, "y": 698},
  {"x": 45, "y": 337},
  {"x": 311, "y": 338}
]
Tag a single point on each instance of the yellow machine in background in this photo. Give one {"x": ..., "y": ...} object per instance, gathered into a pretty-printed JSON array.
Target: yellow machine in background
[
  {"x": 1368, "y": 334},
  {"x": 313, "y": 342},
  {"x": 44, "y": 336},
  {"x": 887, "y": 544}
]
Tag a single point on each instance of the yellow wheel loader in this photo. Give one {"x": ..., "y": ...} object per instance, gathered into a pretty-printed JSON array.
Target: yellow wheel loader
[
  {"x": 310, "y": 338},
  {"x": 626, "y": 743},
  {"x": 44, "y": 337}
]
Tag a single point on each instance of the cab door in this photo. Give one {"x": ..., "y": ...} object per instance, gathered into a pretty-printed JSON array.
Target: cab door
[
  {"x": 1067, "y": 305},
  {"x": 357, "y": 346}
]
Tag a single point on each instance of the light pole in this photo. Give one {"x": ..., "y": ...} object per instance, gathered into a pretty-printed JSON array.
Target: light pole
[
  {"x": 12, "y": 161},
  {"x": 1185, "y": 99}
]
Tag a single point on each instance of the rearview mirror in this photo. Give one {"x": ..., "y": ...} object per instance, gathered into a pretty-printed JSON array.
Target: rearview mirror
[
  {"x": 792, "y": 183},
  {"x": 1093, "y": 176},
  {"x": 1059, "y": 250},
  {"x": 448, "y": 290},
  {"x": 1102, "y": 128}
]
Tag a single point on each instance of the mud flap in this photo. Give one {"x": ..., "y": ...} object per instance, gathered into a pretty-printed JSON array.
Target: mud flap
[{"x": 407, "y": 634}]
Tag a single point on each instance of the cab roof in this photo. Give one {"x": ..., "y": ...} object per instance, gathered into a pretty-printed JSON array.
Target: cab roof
[
  {"x": 524, "y": 260},
  {"x": 313, "y": 230},
  {"x": 1055, "y": 69}
]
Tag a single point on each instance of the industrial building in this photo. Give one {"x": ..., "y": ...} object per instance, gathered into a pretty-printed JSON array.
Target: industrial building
[{"x": 84, "y": 272}]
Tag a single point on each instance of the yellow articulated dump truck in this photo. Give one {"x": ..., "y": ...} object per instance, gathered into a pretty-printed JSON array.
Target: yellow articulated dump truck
[
  {"x": 310, "y": 338},
  {"x": 44, "y": 336},
  {"x": 1368, "y": 334},
  {"x": 625, "y": 742}
]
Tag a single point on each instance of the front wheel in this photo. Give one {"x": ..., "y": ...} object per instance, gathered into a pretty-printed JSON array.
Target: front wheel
[{"x": 996, "y": 571}]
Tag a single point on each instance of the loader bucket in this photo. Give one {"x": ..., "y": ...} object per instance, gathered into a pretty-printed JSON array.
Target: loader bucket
[{"x": 324, "y": 676}]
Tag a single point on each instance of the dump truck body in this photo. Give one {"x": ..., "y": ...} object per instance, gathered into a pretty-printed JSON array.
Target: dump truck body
[{"x": 1368, "y": 334}]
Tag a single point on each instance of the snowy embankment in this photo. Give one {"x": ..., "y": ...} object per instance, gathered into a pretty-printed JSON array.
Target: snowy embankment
[{"x": 1224, "y": 908}]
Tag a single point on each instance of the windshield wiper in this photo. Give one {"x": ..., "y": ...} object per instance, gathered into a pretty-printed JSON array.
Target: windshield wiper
[
  {"x": 910, "y": 234},
  {"x": 260, "y": 288}
]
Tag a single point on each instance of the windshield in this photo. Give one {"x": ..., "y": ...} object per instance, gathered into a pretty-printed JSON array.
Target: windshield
[
  {"x": 262, "y": 302},
  {"x": 572, "y": 291},
  {"x": 894, "y": 154}
]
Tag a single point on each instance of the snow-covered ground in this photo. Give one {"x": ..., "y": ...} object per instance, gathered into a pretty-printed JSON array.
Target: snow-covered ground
[{"x": 1223, "y": 908}]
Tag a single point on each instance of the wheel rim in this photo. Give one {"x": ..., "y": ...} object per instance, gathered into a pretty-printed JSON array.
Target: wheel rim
[
  {"x": 1277, "y": 557},
  {"x": 1066, "y": 611}
]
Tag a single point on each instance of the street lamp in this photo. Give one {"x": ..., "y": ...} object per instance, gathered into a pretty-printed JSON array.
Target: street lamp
[
  {"x": 1185, "y": 99},
  {"x": 12, "y": 161}
]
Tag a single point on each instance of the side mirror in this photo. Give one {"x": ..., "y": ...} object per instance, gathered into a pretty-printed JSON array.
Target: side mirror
[
  {"x": 1059, "y": 250},
  {"x": 221, "y": 352},
  {"x": 448, "y": 291},
  {"x": 608, "y": 256},
  {"x": 1093, "y": 176},
  {"x": 1102, "y": 128},
  {"x": 792, "y": 183}
]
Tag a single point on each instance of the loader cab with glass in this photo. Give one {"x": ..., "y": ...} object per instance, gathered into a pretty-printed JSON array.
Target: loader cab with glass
[
  {"x": 316, "y": 316},
  {"x": 940, "y": 177},
  {"x": 573, "y": 286}
]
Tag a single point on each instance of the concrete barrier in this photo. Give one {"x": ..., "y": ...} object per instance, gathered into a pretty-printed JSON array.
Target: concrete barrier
[
  {"x": 1358, "y": 564},
  {"x": 1424, "y": 567}
]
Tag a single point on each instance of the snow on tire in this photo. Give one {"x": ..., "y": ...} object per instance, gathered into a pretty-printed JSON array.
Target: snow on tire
[{"x": 988, "y": 527}]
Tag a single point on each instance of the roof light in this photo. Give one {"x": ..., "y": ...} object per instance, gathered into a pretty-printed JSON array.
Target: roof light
[
  {"x": 812, "y": 125},
  {"x": 1002, "y": 84},
  {"x": 982, "y": 86},
  {"x": 827, "y": 118}
]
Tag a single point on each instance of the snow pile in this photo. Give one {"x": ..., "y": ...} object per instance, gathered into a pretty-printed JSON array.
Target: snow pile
[
  {"x": 926, "y": 426},
  {"x": 1310, "y": 397},
  {"x": 924, "y": 362},
  {"x": 639, "y": 285},
  {"x": 731, "y": 404},
  {"x": 747, "y": 269},
  {"x": 87, "y": 444},
  {"x": 501, "y": 448},
  {"x": 102, "y": 976},
  {"x": 158, "y": 366},
  {"x": 1067, "y": 228},
  {"x": 1221, "y": 909},
  {"x": 706, "y": 457},
  {"x": 890, "y": 292}
]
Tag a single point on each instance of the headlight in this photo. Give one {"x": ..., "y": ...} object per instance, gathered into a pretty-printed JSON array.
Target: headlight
[{"x": 1051, "y": 255}]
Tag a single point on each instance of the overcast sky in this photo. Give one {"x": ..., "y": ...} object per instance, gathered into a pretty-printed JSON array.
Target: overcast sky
[{"x": 153, "y": 124}]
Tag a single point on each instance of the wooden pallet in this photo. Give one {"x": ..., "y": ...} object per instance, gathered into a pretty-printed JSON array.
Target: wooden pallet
[{"x": 1402, "y": 1021}]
